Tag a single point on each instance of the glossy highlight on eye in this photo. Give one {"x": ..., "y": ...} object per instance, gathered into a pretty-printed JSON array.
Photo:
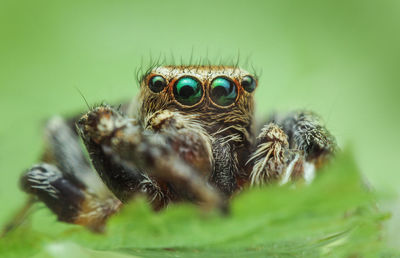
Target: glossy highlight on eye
[
  {"x": 188, "y": 91},
  {"x": 157, "y": 83},
  {"x": 223, "y": 92}
]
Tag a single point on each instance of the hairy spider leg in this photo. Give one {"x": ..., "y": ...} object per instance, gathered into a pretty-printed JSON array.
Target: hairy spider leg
[
  {"x": 290, "y": 148},
  {"x": 307, "y": 133},
  {"x": 174, "y": 153},
  {"x": 226, "y": 174},
  {"x": 66, "y": 183}
]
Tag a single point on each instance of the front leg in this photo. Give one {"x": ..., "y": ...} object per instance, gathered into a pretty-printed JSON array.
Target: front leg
[
  {"x": 308, "y": 134},
  {"x": 290, "y": 148},
  {"x": 67, "y": 197},
  {"x": 269, "y": 160},
  {"x": 172, "y": 150},
  {"x": 66, "y": 183}
]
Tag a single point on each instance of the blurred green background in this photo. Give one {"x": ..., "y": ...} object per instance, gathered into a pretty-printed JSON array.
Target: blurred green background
[{"x": 338, "y": 58}]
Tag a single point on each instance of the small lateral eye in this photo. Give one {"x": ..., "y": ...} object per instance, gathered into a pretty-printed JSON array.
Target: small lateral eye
[
  {"x": 157, "y": 83},
  {"x": 223, "y": 91},
  {"x": 188, "y": 91},
  {"x": 248, "y": 83}
]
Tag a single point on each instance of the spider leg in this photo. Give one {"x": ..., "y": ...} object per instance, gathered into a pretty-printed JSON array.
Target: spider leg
[
  {"x": 63, "y": 149},
  {"x": 172, "y": 149},
  {"x": 269, "y": 160},
  {"x": 68, "y": 186},
  {"x": 290, "y": 148},
  {"x": 307, "y": 133},
  {"x": 68, "y": 198},
  {"x": 226, "y": 165},
  {"x": 122, "y": 179},
  {"x": 123, "y": 182}
]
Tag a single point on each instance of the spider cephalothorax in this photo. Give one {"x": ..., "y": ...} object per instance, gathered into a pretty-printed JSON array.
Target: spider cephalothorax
[{"x": 188, "y": 137}]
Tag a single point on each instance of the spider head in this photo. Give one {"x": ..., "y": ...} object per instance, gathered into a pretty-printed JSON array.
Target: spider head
[{"x": 218, "y": 94}]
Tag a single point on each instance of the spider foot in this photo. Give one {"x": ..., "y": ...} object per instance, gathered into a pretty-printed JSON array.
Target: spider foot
[{"x": 67, "y": 197}]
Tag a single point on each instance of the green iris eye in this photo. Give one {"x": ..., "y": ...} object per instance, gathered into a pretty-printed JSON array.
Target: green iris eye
[
  {"x": 188, "y": 91},
  {"x": 223, "y": 91},
  {"x": 157, "y": 83},
  {"x": 248, "y": 83}
]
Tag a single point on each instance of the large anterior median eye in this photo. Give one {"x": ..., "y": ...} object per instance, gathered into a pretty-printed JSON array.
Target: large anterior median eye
[
  {"x": 188, "y": 91},
  {"x": 157, "y": 83},
  {"x": 223, "y": 91}
]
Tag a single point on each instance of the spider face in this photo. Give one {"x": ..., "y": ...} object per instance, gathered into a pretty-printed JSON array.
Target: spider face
[{"x": 216, "y": 93}]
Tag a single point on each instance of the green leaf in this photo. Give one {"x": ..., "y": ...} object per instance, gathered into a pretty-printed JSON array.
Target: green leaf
[{"x": 335, "y": 215}]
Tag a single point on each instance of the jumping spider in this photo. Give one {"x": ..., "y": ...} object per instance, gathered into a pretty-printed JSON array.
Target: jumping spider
[{"x": 191, "y": 138}]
